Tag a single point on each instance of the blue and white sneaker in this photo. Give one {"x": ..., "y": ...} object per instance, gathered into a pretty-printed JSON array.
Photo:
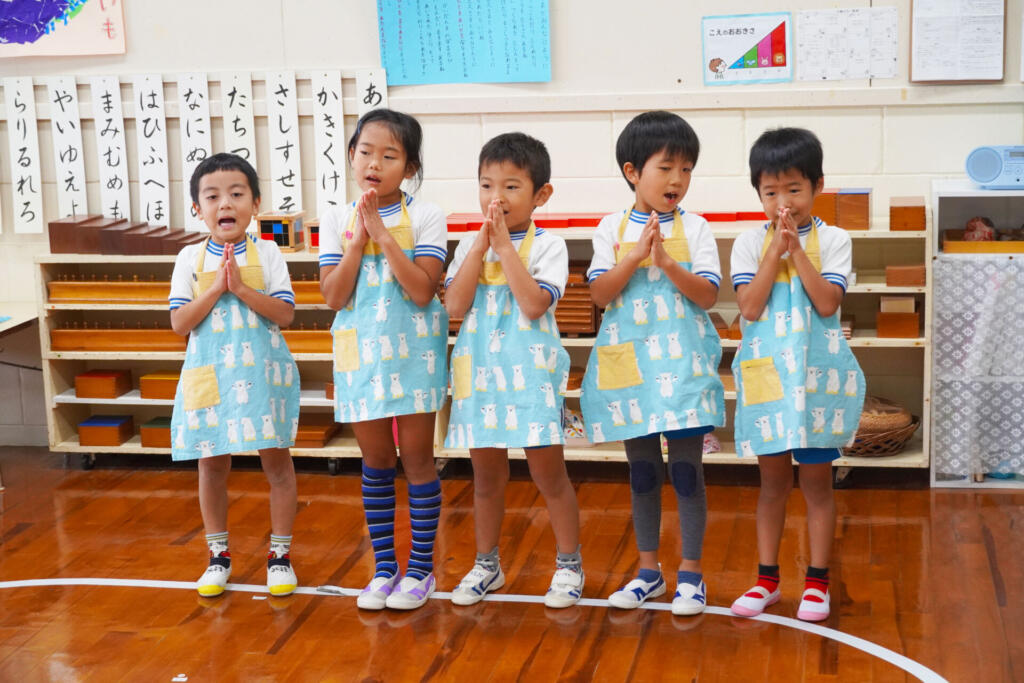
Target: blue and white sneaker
[
  {"x": 689, "y": 599},
  {"x": 636, "y": 593},
  {"x": 566, "y": 588},
  {"x": 476, "y": 584}
]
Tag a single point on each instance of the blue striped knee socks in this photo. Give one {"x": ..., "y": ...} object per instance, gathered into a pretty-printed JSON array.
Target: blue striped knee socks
[
  {"x": 379, "y": 508},
  {"x": 424, "y": 513}
]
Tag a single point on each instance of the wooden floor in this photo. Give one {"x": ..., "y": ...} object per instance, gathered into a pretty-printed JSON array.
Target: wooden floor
[{"x": 937, "y": 576}]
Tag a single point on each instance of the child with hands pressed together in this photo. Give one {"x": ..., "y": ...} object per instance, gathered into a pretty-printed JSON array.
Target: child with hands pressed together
[
  {"x": 509, "y": 370},
  {"x": 790, "y": 277},
  {"x": 654, "y": 368},
  {"x": 239, "y": 387},
  {"x": 380, "y": 262}
]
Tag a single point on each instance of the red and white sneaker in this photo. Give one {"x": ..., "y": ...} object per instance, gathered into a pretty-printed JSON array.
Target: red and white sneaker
[
  {"x": 813, "y": 605},
  {"x": 754, "y": 601}
]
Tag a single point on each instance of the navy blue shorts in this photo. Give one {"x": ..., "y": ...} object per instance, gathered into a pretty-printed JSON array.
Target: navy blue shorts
[{"x": 811, "y": 456}]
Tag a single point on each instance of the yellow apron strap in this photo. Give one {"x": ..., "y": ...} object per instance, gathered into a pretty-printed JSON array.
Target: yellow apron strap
[
  {"x": 812, "y": 249},
  {"x": 252, "y": 271},
  {"x": 679, "y": 253},
  {"x": 492, "y": 272},
  {"x": 404, "y": 223}
]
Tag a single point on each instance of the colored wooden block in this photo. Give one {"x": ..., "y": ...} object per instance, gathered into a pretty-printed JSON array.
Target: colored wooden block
[
  {"x": 825, "y": 206},
  {"x": 283, "y": 229},
  {"x": 112, "y": 237},
  {"x": 156, "y": 433},
  {"x": 159, "y": 385},
  {"x": 106, "y": 430},
  {"x": 906, "y": 213},
  {"x": 103, "y": 383},
  {"x": 853, "y": 208},
  {"x": 897, "y": 304},
  {"x": 900, "y": 325},
  {"x": 127, "y": 339},
  {"x": 87, "y": 235},
  {"x": 312, "y": 229},
  {"x": 63, "y": 233},
  {"x": 905, "y": 276}
]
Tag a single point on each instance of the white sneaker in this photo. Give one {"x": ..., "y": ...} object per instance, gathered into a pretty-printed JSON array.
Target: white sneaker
[
  {"x": 476, "y": 584},
  {"x": 813, "y": 605},
  {"x": 375, "y": 595},
  {"x": 636, "y": 593},
  {"x": 281, "y": 579},
  {"x": 754, "y": 601},
  {"x": 689, "y": 599},
  {"x": 566, "y": 588},
  {"x": 215, "y": 578},
  {"x": 411, "y": 592}
]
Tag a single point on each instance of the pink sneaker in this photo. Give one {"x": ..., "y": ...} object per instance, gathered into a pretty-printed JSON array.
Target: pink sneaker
[
  {"x": 753, "y": 602},
  {"x": 813, "y": 605}
]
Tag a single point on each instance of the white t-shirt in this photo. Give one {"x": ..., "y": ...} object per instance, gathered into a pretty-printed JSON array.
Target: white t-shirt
[
  {"x": 703, "y": 249},
  {"x": 834, "y": 243},
  {"x": 548, "y": 263},
  {"x": 275, "y": 271},
  {"x": 429, "y": 229}
]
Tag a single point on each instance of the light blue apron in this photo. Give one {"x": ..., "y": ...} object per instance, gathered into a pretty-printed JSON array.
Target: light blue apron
[
  {"x": 798, "y": 384},
  {"x": 508, "y": 373},
  {"x": 389, "y": 354},
  {"x": 654, "y": 367},
  {"x": 239, "y": 387}
]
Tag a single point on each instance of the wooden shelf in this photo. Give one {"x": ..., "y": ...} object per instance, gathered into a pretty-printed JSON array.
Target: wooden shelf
[{"x": 309, "y": 398}]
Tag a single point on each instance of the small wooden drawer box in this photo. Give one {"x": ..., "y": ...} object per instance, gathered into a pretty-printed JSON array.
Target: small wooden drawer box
[
  {"x": 159, "y": 385},
  {"x": 315, "y": 430},
  {"x": 103, "y": 383},
  {"x": 905, "y": 276},
  {"x": 825, "y": 206},
  {"x": 853, "y": 208},
  {"x": 906, "y": 213},
  {"x": 156, "y": 433},
  {"x": 901, "y": 325},
  {"x": 106, "y": 430}
]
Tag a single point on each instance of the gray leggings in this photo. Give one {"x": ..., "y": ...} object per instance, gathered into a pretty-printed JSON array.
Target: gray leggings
[{"x": 646, "y": 477}]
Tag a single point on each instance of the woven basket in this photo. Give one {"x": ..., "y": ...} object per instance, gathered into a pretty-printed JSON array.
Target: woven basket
[{"x": 882, "y": 443}]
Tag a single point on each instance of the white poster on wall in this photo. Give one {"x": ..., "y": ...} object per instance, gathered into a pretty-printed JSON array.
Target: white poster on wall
[
  {"x": 328, "y": 140},
  {"x": 68, "y": 161},
  {"x": 194, "y": 122},
  {"x": 283, "y": 124},
  {"x": 151, "y": 134},
  {"x": 115, "y": 199},
  {"x": 23, "y": 138},
  {"x": 855, "y": 43},
  {"x": 957, "y": 41},
  {"x": 239, "y": 125}
]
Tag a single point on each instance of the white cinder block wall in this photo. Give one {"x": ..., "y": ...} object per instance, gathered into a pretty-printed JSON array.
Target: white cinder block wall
[{"x": 610, "y": 61}]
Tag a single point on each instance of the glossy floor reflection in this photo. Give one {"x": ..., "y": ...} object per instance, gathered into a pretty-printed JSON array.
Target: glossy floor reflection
[{"x": 937, "y": 576}]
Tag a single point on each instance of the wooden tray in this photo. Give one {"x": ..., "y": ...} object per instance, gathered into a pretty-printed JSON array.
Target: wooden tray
[
  {"x": 308, "y": 341},
  {"x": 156, "y": 433},
  {"x": 159, "y": 385},
  {"x": 102, "y": 383},
  {"x": 307, "y": 292},
  {"x": 953, "y": 243},
  {"x": 127, "y": 339},
  {"x": 96, "y": 291}
]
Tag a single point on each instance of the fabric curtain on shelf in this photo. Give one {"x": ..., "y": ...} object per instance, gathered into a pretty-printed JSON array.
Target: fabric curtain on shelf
[{"x": 978, "y": 369}]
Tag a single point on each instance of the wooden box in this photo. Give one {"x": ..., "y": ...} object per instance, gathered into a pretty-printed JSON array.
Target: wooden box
[
  {"x": 312, "y": 228},
  {"x": 87, "y": 236},
  {"x": 853, "y": 208},
  {"x": 63, "y": 233},
  {"x": 897, "y": 304},
  {"x": 136, "y": 242},
  {"x": 112, "y": 237},
  {"x": 308, "y": 292},
  {"x": 103, "y": 383},
  {"x": 156, "y": 433},
  {"x": 126, "y": 339},
  {"x": 308, "y": 341},
  {"x": 329, "y": 391},
  {"x": 901, "y": 325},
  {"x": 106, "y": 430},
  {"x": 135, "y": 291},
  {"x": 953, "y": 243},
  {"x": 283, "y": 229},
  {"x": 824, "y": 206},
  {"x": 315, "y": 430},
  {"x": 906, "y": 213},
  {"x": 153, "y": 242},
  {"x": 905, "y": 276},
  {"x": 575, "y": 312},
  {"x": 159, "y": 385}
]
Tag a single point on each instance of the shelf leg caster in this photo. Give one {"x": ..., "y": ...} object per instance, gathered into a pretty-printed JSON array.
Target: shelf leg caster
[
  {"x": 88, "y": 461},
  {"x": 841, "y": 477},
  {"x": 334, "y": 466}
]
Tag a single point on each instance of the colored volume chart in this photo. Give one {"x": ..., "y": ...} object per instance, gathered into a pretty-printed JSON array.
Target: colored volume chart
[{"x": 768, "y": 52}]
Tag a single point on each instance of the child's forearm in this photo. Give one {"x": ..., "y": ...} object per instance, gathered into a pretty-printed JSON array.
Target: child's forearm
[
  {"x": 276, "y": 310},
  {"x": 458, "y": 296},
  {"x": 753, "y": 297},
  {"x": 337, "y": 283},
  {"x": 533, "y": 299},
  {"x": 610, "y": 283},
  {"x": 186, "y": 318},
  {"x": 826, "y": 296},
  {"x": 697, "y": 289},
  {"x": 418, "y": 278}
]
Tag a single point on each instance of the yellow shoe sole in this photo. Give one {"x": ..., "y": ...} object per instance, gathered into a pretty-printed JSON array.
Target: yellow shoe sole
[
  {"x": 210, "y": 591},
  {"x": 283, "y": 589}
]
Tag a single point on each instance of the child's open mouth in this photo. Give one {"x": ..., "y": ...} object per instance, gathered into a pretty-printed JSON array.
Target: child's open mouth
[
  {"x": 373, "y": 179},
  {"x": 672, "y": 197},
  {"x": 226, "y": 222}
]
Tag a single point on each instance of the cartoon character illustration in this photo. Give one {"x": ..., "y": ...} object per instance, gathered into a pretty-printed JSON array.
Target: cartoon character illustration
[
  {"x": 636, "y": 416},
  {"x": 790, "y": 359},
  {"x": 799, "y": 399},
  {"x": 653, "y": 273},
  {"x": 217, "y": 319},
  {"x": 492, "y": 301},
  {"x": 368, "y": 345},
  {"x": 523, "y": 322},
  {"x": 665, "y": 381},
  {"x": 851, "y": 383},
  {"x": 613, "y": 333},
  {"x": 765, "y": 425},
  {"x": 192, "y": 416},
  {"x": 639, "y": 311},
  {"x": 228, "y": 351},
  {"x": 377, "y": 382},
  {"x": 435, "y": 323},
  {"x": 798, "y": 320},
  {"x": 431, "y": 358},
  {"x": 533, "y": 438},
  {"x": 833, "y": 340},
  {"x": 241, "y": 388},
  {"x": 780, "y": 323},
  {"x": 653, "y": 343},
  {"x": 698, "y": 364},
  {"x": 420, "y": 320},
  {"x": 837, "y": 420},
  {"x": 499, "y": 378},
  {"x": 718, "y": 66},
  {"x": 597, "y": 432},
  {"x": 481, "y": 379},
  {"x": 237, "y": 322},
  {"x": 549, "y": 394},
  {"x": 381, "y": 306},
  {"x": 419, "y": 400},
  {"x": 616, "y": 410},
  {"x": 372, "y": 278},
  {"x": 746, "y": 450},
  {"x": 396, "y": 386},
  {"x": 819, "y": 420},
  {"x": 277, "y": 374},
  {"x": 268, "y": 427},
  {"x": 691, "y": 419},
  {"x": 813, "y": 375},
  {"x": 679, "y": 305},
  {"x": 469, "y": 436},
  {"x": 554, "y": 433},
  {"x": 675, "y": 349},
  {"x": 672, "y": 422},
  {"x": 403, "y": 346},
  {"x": 511, "y": 419},
  {"x": 232, "y": 430},
  {"x": 552, "y": 359},
  {"x": 250, "y": 318},
  {"x": 518, "y": 380},
  {"x": 248, "y": 357},
  {"x": 490, "y": 416},
  {"x": 495, "y": 344},
  {"x": 205, "y": 448},
  {"x": 248, "y": 430},
  {"x": 755, "y": 346},
  {"x": 470, "y": 321},
  {"x": 211, "y": 417},
  {"x": 539, "y": 361},
  {"x": 275, "y": 336},
  {"x": 701, "y": 326},
  {"x": 660, "y": 307},
  {"x": 832, "y": 383}
]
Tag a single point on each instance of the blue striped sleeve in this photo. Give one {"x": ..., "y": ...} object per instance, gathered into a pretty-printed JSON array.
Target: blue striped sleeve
[
  {"x": 178, "y": 302},
  {"x": 284, "y": 295},
  {"x": 596, "y": 273},
  {"x": 713, "y": 278},
  {"x": 430, "y": 250},
  {"x": 836, "y": 279},
  {"x": 550, "y": 289},
  {"x": 329, "y": 259},
  {"x": 742, "y": 279}
]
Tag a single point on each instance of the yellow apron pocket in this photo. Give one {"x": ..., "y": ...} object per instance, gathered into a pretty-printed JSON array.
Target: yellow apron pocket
[
  {"x": 346, "y": 351},
  {"x": 462, "y": 376},
  {"x": 761, "y": 382},
  {"x": 199, "y": 388},
  {"x": 617, "y": 367},
  {"x": 253, "y": 277}
]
